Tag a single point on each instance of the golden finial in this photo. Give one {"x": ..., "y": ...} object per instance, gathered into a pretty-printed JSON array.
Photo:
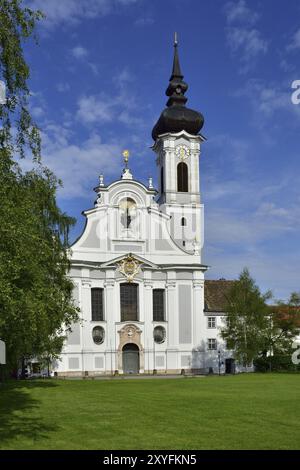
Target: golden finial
[{"x": 126, "y": 156}]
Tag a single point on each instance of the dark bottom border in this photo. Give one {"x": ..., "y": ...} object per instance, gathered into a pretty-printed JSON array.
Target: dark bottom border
[{"x": 133, "y": 459}]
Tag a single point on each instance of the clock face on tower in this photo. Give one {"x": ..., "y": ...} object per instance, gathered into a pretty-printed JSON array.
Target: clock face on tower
[{"x": 182, "y": 151}]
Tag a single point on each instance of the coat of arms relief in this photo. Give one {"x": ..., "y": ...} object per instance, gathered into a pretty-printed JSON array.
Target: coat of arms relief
[{"x": 129, "y": 267}]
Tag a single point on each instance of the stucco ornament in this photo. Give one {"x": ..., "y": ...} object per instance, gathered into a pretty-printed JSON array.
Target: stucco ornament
[{"x": 129, "y": 267}]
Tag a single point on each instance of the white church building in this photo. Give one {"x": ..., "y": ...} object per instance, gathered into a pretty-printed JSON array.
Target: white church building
[{"x": 137, "y": 267}]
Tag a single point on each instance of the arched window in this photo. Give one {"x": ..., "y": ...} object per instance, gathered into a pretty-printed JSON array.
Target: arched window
[
  {"x": 182, "y": 178},
  {"x": 162, "y": 182},
  {"x": 128, "y": 211},
  {"x": 183, "y": 222},
  {"x": 129, "y": 301}
]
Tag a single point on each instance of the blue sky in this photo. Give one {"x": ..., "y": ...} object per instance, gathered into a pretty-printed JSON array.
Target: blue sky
[{"x": 98, "y": 81}]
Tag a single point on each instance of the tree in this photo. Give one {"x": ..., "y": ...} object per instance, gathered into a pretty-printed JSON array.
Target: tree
[
  {"x": 35, "y": 292},
  {"x": 294, "y": 300},
  {"x": 51, "y": 350},
  {"x": 247, "y": 317},
  {"x": 284, "y": 326}
]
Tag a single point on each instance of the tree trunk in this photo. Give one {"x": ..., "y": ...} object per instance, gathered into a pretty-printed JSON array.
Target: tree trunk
[{"x": 23, "y": 369}]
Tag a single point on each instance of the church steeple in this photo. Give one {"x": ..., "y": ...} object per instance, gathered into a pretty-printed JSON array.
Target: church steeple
[
  {"x": 176, "y": 72},
  {"x": 177, "y": 87},
  {"x": 176, "y": 117}
]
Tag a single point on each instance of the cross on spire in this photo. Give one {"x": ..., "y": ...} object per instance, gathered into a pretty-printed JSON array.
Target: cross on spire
[
  {"x": 176, "y": 70},
  {"x": 175, "y": 39}
]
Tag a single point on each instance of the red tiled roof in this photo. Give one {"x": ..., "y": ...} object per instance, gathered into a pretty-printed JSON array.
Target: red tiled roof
[{"x": 215, "y": 294}]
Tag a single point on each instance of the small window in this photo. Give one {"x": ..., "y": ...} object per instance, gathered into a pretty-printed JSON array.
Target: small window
[
  {"x": 159, "y": 334},
  {"x": 183, "y": 243},
  {"x": 97, "y": 304},
  {"x": 183, "y": 222},
  {"x": 211, "y": 322},
  {"x": 98, "y": 334},
  {"x": 158, "y": 305},
  {"x": 212, "y": 344}
]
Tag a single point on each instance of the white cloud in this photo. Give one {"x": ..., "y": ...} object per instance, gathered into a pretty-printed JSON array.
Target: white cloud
[
  {"x": 269, "y": 100},
  {"x": 37, "y": 112},
  {"x": 295, "y": 43},
  {"x": 129, "y": 119},
  {"x": 62, "y": 87},
  {"x": 243, "y": 237},
  {"x": 144, "y": 21},
  {"x": 279, "y": 273},
  {"x": 96, "y": 108},
  {"x": 239, "y": 12},
  {"x": 242, "y": 37},
  {"x": 123, "y": 78},
  {"x": 78, "y": 165},
  {"x": 94, "y": 68},
  {"x": 245, "y": 228},
  {"x": 79, "y": 52},
  {"x": 37, "y": 105},
  {"x": 249, "y": 41},
  {"x": 103, "y": 108},
  {"x": 252, "y": 218},
  {"x": 269, "y": 209},
  {"x": 73, "y": 11}
]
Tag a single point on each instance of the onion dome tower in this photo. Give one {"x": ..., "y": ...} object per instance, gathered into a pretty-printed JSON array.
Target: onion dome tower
[
  {"x": 177, "y": 142},
  {"x": 177, "y": 117}
]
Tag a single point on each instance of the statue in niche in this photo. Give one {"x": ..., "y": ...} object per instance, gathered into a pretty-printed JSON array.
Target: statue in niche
[{"x": 128, "y": 212}]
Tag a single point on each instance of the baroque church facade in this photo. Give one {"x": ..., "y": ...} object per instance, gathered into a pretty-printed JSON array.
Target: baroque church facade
[{"x": 137, "y": 267}]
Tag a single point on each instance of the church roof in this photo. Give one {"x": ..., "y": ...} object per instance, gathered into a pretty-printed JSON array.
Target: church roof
[
  {"x": 215, "y": 295},
  {"x": 177, "y": 117}
]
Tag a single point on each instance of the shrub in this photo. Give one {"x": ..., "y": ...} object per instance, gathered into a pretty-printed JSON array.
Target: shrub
[{"x": 276, "y": 363}]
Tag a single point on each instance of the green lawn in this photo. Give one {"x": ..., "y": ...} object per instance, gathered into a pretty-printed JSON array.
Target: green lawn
[{"x": 237, "y": 412}]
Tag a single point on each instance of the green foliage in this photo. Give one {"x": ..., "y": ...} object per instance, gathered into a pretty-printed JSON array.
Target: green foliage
[
  {"x": 283, "y": 327},
  {"x": 294, "y": 299},
  {"x": 247, "y": 318},
  {"x": 276, "y": 363},
  {"x": 35, "y": 293},
  {"x": 16, "y": 25},
  {"x": 256, "y": 330}
]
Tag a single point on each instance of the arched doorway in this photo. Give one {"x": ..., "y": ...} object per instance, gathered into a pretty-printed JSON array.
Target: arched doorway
[{"x": 131, "y": 358}]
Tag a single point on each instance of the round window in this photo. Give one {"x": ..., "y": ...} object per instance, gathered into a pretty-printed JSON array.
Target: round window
[
  {"x": 98, "y": 334},
  {"x": 159, "y": 334}
]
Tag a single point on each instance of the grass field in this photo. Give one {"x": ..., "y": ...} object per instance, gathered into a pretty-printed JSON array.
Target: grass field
[{"x": 237, "y": 412}]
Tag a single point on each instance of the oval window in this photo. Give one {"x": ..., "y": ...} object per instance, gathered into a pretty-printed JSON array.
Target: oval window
[
  {"x": 98, "y": 334},
  {"x": 159, "y": 334}
]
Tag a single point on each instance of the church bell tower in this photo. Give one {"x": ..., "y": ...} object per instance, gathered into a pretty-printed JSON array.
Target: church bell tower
[{"x": 177, "y": 145}]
